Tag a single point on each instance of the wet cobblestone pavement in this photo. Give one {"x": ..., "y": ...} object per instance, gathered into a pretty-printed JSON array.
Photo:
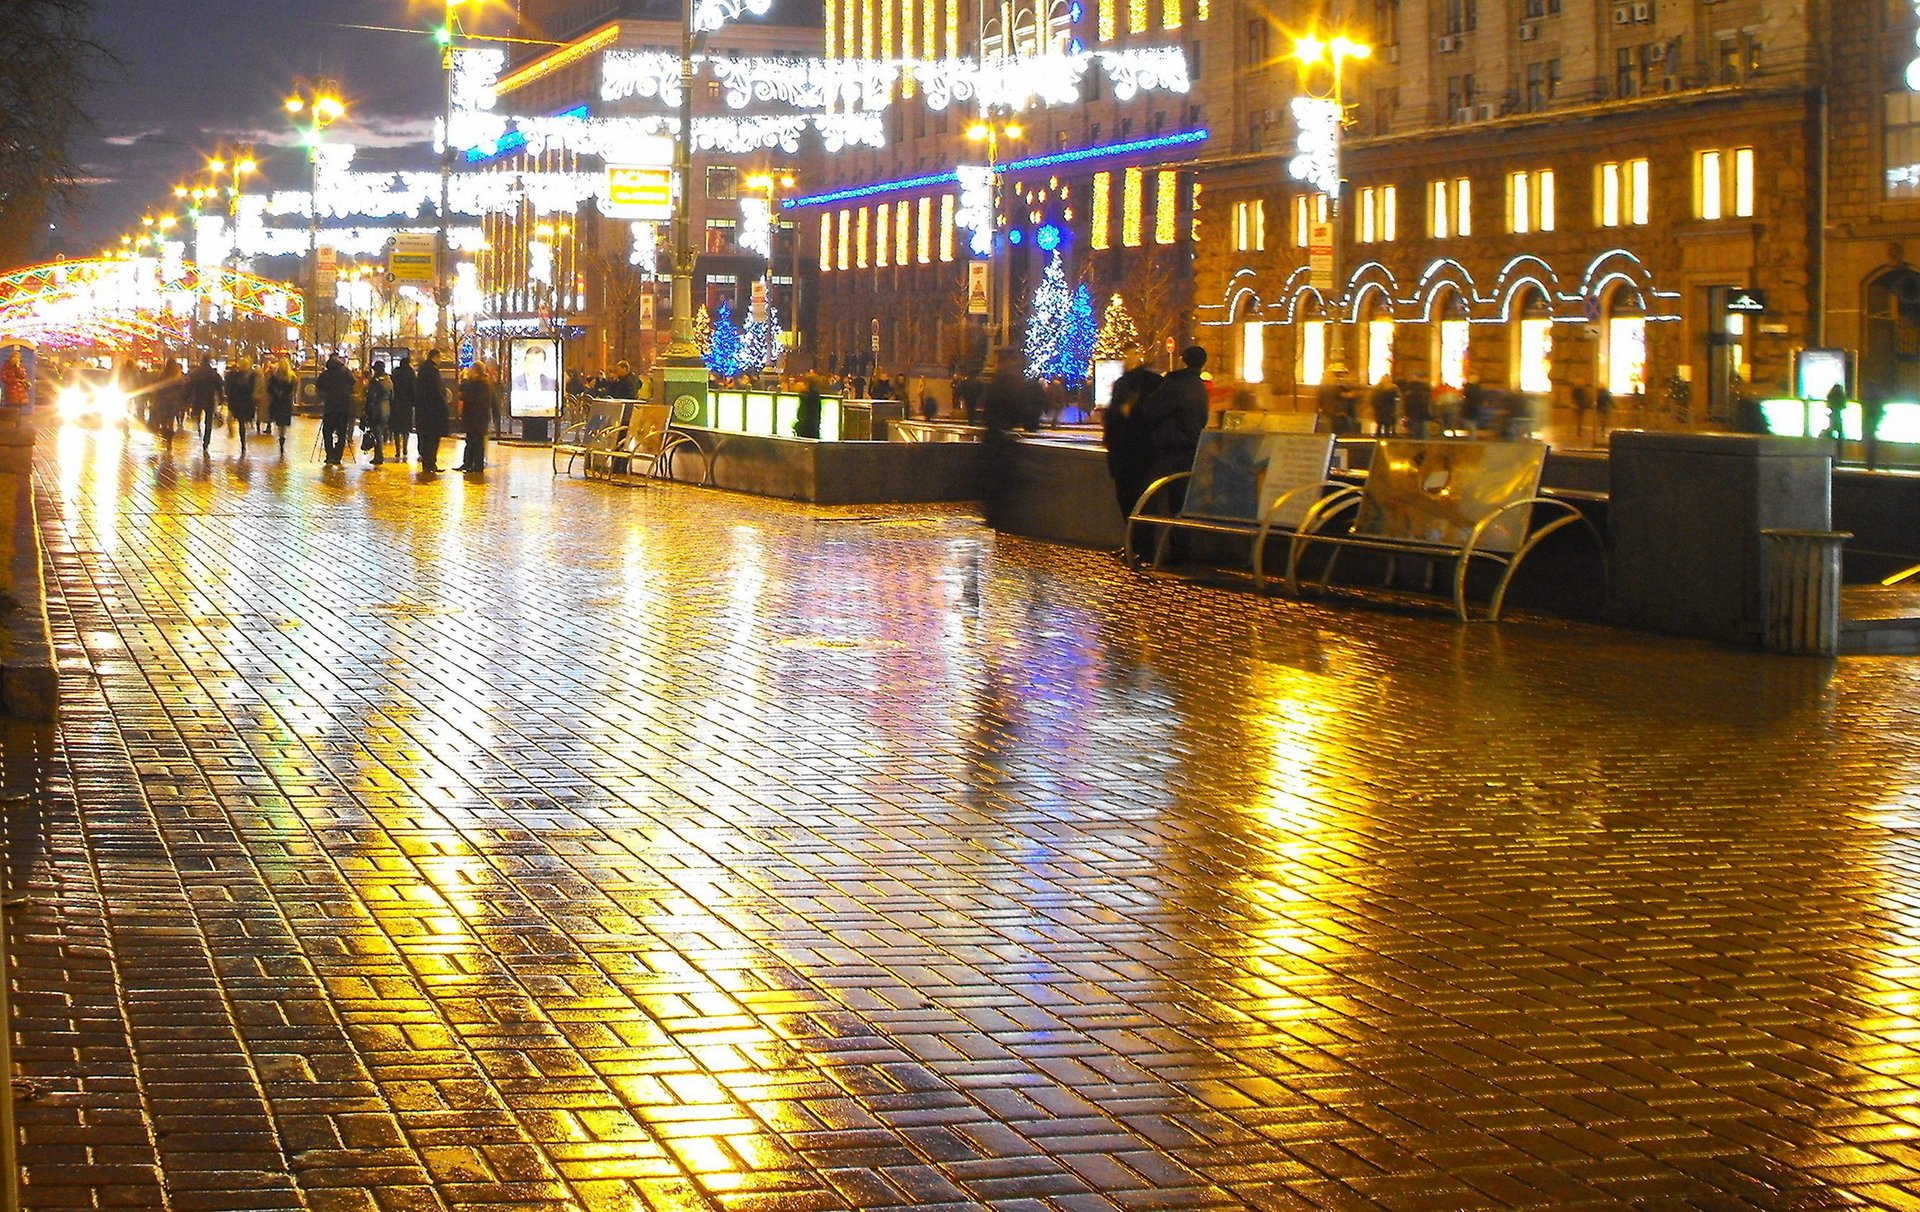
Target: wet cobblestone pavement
[{"x": 535, "y": 844}]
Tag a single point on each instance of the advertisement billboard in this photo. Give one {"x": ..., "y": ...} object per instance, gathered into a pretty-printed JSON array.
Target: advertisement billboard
[{"x": 534, "y": 377}]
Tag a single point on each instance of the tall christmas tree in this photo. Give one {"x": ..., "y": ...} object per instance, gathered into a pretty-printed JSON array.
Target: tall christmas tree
[
  {"x": 760, "y": 341},
  {"x": 1047, "y": 321},
  {"x": 703, "y": 330},
  {"x": 1119, "y": 337},
  {"x": 1074, "y": 363},
  {"x": 724, "y": 357}
]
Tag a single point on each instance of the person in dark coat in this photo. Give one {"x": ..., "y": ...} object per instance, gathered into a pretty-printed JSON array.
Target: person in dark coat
[
  {"x": 243, "y": 388},
  {"x": 1126, "y": 445},
  {"x": 1417, "y": 398},
  {"x": 1171, "y": 421},
  {"x": 400, "y": 409},
  {"x": 1385, "y": 403},
  {"x": 806, "y": 421},
  {"x": 476, "y": 413},
  {"x": 1012, "y": 401},
  {"x": 430, "y": 411},
  {"x": 168, "y": 396},
  {"x": 335, "y": 386},
  {"x": 624, "y": 385},
  {"x": 203, "y": 397}
]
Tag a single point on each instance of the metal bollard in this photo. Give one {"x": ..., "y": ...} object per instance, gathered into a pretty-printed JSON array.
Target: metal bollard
[{"x": 1803, "y": 591}]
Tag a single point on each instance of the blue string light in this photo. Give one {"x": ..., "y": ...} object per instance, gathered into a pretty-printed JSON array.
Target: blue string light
[
  {"x": 513, "y": 140},
  {"x": 1073, "y": 156}
]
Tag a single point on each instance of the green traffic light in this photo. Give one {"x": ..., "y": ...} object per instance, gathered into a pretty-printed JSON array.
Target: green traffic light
[{"x": 444, "y": 35}]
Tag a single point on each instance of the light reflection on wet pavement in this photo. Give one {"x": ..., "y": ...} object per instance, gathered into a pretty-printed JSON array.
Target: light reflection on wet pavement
[{"x": 529, "y": 843}]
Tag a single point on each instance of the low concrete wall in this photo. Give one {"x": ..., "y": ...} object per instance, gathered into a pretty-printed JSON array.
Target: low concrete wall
[
  {"x": 838, "y": 473},
  {"x": 29, "y": 678},
  {"x": 1060, "y": 492}
]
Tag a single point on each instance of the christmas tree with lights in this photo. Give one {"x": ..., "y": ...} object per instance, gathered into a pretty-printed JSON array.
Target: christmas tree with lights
[
  {"x": 1074, "y": 363},
  {"x": 1119, "y": 337},
  {"x": 1047, "y": 321},
  {"x": 724, "y": 354},
  {"x": 703, "y": 331}
]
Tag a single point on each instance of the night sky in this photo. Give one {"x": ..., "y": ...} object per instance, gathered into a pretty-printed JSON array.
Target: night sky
[{"x": 198, "y": 74}]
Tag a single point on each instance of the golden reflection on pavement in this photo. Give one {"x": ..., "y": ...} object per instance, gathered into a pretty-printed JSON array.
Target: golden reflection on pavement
[{"x": 516, "y": 841}]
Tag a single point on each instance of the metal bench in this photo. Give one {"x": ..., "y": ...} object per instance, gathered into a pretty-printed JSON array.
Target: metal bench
[
  {"x": 1448, "y": 500},
  {"x": 581, "y": 417},
  {"x": 638, "y": 448},
  {"x": 1247, "y": 483}
]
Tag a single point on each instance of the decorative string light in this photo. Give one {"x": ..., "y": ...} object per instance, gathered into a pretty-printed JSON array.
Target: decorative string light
[
  {"x": 975, "y": 213},
  {"x": 756, "y": 226}
]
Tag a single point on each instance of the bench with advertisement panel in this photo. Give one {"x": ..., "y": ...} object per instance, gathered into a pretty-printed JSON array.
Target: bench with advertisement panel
[
  {"x": 641, "y": 446},
  {"x": 1248, "y": 483},
  {"x": 1457, "y": 500}
]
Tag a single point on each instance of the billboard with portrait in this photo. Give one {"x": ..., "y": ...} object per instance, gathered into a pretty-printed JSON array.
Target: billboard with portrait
[{"x": 534, "y": 377}]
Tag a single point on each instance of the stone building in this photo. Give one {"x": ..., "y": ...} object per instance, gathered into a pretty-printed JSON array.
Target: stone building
[
  {"x": 1540, "y": 194},
  {"x": 1092, "y": 155},
  {"x": 609, "y": 277}
]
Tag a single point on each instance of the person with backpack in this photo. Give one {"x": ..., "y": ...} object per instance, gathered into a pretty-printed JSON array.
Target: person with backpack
[{"x": 374, "y": 415}]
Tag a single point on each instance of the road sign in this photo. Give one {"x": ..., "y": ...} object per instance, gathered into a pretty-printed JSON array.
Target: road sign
[
  {"x": 638, "y": 192},
  {"x": 411, "y": 259}
]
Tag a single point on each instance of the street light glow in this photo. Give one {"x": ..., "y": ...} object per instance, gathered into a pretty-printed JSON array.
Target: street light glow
[{"x": 1309, "y": 49}]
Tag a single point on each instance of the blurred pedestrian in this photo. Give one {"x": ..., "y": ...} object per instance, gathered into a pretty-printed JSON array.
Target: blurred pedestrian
[
  {"x": 477, "y": 399},
  {"x": 243, "y": 396},
  {"x": 1171, "y": 421},
  {"x": 1120, "y": 432},
  {"x": 282, "y": 385},
  {"x": 16, "y": 386},
  {"x": 806, "y": 421},
  {"x": 1385, "y": 403},
  {"x": 1602, "y": 413},
  {"x": 335, "y": 386},
  {"x": 203, "y": 391},
  {"x": 1582, "y": 405},
  {"x": 1417, "y": 399},
  {"x": 374, "y": 415},
  {"x": 168, "y": 396},
  {"x": 430, "y": 412},
  {"x": 1012, "y": 401},
  {"x": 400, "y": 408}
]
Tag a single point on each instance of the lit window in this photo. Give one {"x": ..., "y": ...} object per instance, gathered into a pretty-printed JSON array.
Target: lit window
[
  {"x": 1390, "y": 213},
  {"x": 882, "y": 230},
  {"x": 826, "y": 240},
  {"x": 1170, "y": 19},
  {"x": 1313, "y": 352},
  {"x": 1242, "y": 225},
  {"x": 1253, "y": 352},
  {"x": 1723, "y": 183},
  {"x": 1379, "y": 206},
  {"x": 1379, "y": 349},
  {"x": 1530, "y": 201},
  {"x": 1102, "y": 218},
  {"x": 924, "y": 248},
  {"x": 1450, "y": 208},
  {"x": 846, "y": 237},
  {"x": 1302, "y": 224},
  {"x": 1607, "y": 197},
  {"x": 1624, "y": 196},
  {"x": 1139, "y": 13},
  {"x": 1131, "y": 203},
  {"x": 1166, "y": 218},
  {"x": 861, "y": 222},
  {"x": 1640, "y": 192},
  {"x": 1109, "y": 20},
  {"x": 946, "y": 227},
  {"x": 1368, "y": 233},
  {"x": 902, "y": 232}
]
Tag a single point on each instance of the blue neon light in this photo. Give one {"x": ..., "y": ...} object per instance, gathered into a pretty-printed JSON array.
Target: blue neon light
[
  {"x": 1048, "y": 237},
  {"x": 513, "y": 140},
  {"x": 1074, "y": 156},
  {"x": 867, "y": 191},
  {"x": 1015, "y": 236},
  {"x": 1079, "y": 154}
]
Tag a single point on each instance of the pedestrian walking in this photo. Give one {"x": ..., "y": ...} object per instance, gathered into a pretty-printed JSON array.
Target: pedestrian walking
[
  {"x": 477, "y": 400},
  {"x": 1120, "y": 432},
  {"x": 430, "y": 412},
  {"x": 806, "y": 420},
  {"x": 203, "y": 391},
  {"x": 335, "y": 385},
  {"x": 243, "y": 396},
  {"x": 400, "y": 408},
  {"x": 1012, "y": 401},
  {"x": 1171, "y": 421},
  {"x": 373, "y": 417},
  {"x": 282, "y": 385},
  {"x": 1602, "y": 413},
  {"x": 166, "y": 395},
  {"x": 1582, "y": 405},
  {"x": 1385, "y": 403},
  {"x": 1417, "y": 398}
]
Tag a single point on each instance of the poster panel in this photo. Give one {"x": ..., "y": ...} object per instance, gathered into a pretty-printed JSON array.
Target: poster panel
[
  {"x": 1437, "y": 492},
  {"x": 533, "y": 385}
]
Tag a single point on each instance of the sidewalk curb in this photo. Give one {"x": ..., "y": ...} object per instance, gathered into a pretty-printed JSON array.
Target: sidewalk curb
[{"x": 29, "y": 673}]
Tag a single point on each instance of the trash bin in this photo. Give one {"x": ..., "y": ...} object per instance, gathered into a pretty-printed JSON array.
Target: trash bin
[{"x": 1803, "y": 591}]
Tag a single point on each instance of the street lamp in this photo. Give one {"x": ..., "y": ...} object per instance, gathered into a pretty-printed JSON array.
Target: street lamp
[
  {"x": 989, "y": 132},
  {"x": 1322, "y": 117},
  {"x": 446, "y": 35},
  {"x": 319, "y": 100}
]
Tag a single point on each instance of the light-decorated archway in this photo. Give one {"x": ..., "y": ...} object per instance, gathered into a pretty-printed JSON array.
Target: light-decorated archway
[{"x": 109, "y": 299}]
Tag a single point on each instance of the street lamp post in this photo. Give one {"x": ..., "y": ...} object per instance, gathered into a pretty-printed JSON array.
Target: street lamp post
[
  {"x": 236, "y": 166},
  {"x": 1322, "y": 121},
  {"x": 446, "y": 35},
  {"x": 985, "y": 130},
  {"x": 774, "y": 184},
  {"x": 320, "y": 101}
]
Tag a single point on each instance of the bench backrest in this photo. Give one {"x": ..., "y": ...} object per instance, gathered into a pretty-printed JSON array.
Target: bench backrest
[
  {"x": 1237, "y": 476},
  {"x": 645, "y": 425},
  {"x": 1266, "y": 421},
  {"x": 1437, "y": 492}
]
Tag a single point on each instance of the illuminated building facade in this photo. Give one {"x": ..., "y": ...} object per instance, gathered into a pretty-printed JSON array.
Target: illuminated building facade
[
  {"x": 1105, "y": 99},
  {"x": 581, "y": 269},
  {"x": 1539, "y": 194}
]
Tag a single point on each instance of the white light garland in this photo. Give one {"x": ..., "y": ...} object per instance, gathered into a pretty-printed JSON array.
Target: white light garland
[
  {"x": 1145, "y": 69},
  {"x": 710, "y": 15},
  {"x": 805, "y": 83},
  {"x": 739, "y": 136},
  {"x": 475, "y": 73},
  {"x": 625, "y": 73},
  {"x": 974, "y": 213},
  {"x": 646, "y": 248},
  {"x": 1318, "y": 163},
  {"x": 840, "y": 131},
  {"x": 756, "y": 227}
]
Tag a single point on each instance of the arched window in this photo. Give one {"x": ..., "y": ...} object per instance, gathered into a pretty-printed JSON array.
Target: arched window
[
  {"x": 1376, "y": 323},
  {"x": 1451, "y": 338},
  {"x": 1310, "y": 332},
  {"x": 1623, "y": 340}
]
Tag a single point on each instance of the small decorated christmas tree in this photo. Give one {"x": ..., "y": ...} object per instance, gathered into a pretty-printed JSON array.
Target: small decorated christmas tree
[
  {"x": 724, "y": 356},
  {"x": 1074, "y": 365},
  {"x": 1119, "y": 337},
  {"x": 703, "y": 331}
]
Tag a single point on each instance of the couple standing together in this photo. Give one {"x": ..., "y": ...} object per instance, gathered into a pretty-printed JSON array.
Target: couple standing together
[{"x": 408, "y": 399}]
